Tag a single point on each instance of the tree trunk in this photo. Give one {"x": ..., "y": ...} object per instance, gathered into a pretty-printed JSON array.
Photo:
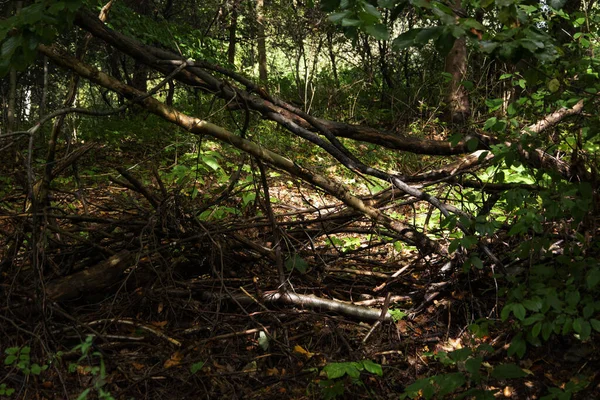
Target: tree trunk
[
  {"x": 457, "y": 98},
  {"x": 232, "y": 33},
  {"x": 332, "y": 58},
  {"x": 262, "y": 47},
  {"x": 44, "y": 98}
]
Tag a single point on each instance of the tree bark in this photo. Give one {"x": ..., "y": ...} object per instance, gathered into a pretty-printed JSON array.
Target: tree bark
[
  {"x": 261, "y": 42},
  {"x": 232, "y": 33},
  {"x": 457, "y": 99}
]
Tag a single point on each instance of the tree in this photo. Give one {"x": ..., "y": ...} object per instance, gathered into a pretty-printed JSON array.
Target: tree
[{"x": 352, "y": 118}]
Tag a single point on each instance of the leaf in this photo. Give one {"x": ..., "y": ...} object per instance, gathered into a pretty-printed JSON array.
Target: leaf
[
  {"x": 547, "y": 328},
  {"x": 572, "y": 298},
  {"x": 427, "y": 34},
  {"x": 477, "y": 263},
  {"x": 406, "y": 39},
  {"x": 595, "y": 324},
  {"x": 593, "y": 277},
  {"x": 535, "y": 331},
  {"x": 533, "y": 319},
  {"x": 371, "y": 10},
  {"x": 351, "y": 22},
  {"x": 519, "y": 311},
  {"x": 263, "y": 340},
  {"x": 448, "y": 383},
  {"x": 554, "y": 85},
  {"x": 460, "y": 354},
  {"x": 505, "y": 313},
  {"x": 472, "y": 365},
  {"x": 195, "y": 367},
  {"x": 36, "y": 369},
  {"x": 300, "y": 350},
  {"x": 472, "y": 144},
  {"x": 586, "y": 330},
  {"x": 210, "y": 161},
  {"x": 56, "y": 7},
  {"x": 9, "y": 360},
  {"x": 378, "y": 31},
  {"x": 508, "y": 371},
  {"x": 12, "y": 350},
  {"x": 83, "y": 395},
  {"x": 533, "y": 304},
  {"x": 337, "y": 370},
  {"x": 338, "y": 17},
  {"x": 518, "y": 346},
  {"x": 373, "y": 367},
  {"x": 174, "y": 360},
  {"x": 296, "y": 262}
]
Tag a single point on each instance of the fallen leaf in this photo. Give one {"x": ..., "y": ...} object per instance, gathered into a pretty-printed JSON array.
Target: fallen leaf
[
  {"x": 174, "y": 361},
  {"x": 300, "y": 350},
  {"x": 137, "y": 365}
]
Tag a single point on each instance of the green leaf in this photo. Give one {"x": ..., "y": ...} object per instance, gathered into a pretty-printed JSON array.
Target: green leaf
[
  {"x": 593, "y": 277},
  {"x": 533, "y": 304},
  {"x": 586, "y": 330},
  {"x": 547, "y": 328},
  {"x": 472, "y": 144},
  {"x": 36, "y": 369},
  {"x": 519, "y": 311},
  {"x": 378, "y": 31},
  {"x": 296, "y": 262},
  {"x": 535, "y": 331},
  {"x": 351, "y": 22},
  {"x": 472, "y": 365},
  {"x": 373, "y": 367},
  {"x": 9, "y": 360},
  {"x": 490, "y": 123},
  {"x": 337, "y": 370},
  {"x": 460, "y": 354},
  {"x": 448, "y": 383},
  {"x": 427, "y": 34},
  {"x": 508, "y": 371},
  {"x": 533, "y": 319},
  {"x": 371, "y": 10},
  {"x": 595, "y": 324},
  {"x": 83, "y": 395},
  {"x": 505, "y": 313},
  {"x": 476, "y": 262},
  {"x": 518, "y": 346},
  {"x": 12, "y": 350},
  {"x": 56, "y": 7},
  {"x": 195, "y": 367},
  {"x": 572, "y": 298},
  {"x": 472, "y": 23},
  {"x": 406, "y": 39},
  {"x": 554, "y": 85},
  {"x": 338, "y": 17},
  {"x": 577, "y": 325}
]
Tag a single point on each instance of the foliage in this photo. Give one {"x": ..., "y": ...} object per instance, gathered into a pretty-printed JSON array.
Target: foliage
[
  {"x": 336, "y": 373},
  {"x": 35, "y": 24},
  {"x": 472, "y": 372},
  {"x": 97, "y": 371}
]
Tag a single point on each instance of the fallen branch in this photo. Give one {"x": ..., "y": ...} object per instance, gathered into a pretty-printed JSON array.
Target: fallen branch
[{"x": 300, "y": 300}]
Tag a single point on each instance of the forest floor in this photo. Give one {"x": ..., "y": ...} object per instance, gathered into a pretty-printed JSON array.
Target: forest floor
[{"x": 183, "y": 310}]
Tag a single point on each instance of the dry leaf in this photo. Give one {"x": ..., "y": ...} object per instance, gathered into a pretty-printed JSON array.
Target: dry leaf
[
  {"x": 174, "y": 361},
  {"x": 137, "y": 365},
  {"x": 300, "y": 350}
]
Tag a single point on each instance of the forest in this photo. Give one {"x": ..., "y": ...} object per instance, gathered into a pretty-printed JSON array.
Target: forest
[{"x": 304, "y": 199}]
